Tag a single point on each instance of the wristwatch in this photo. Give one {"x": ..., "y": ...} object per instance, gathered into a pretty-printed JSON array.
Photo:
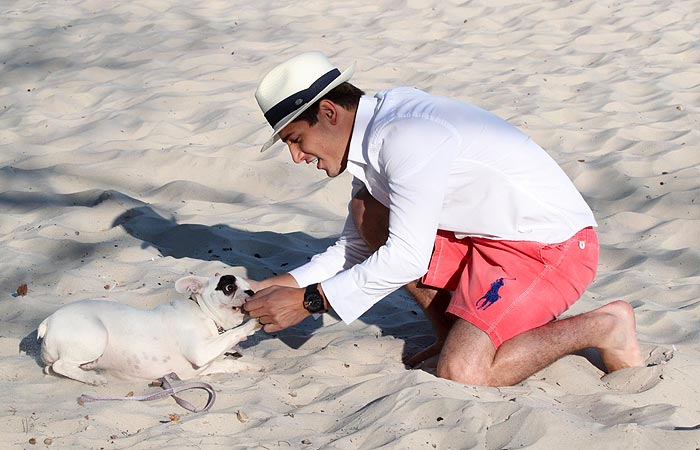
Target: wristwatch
[{"x": 313, "y": 300}]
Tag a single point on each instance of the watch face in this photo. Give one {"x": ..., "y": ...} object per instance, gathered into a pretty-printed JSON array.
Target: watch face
[{"x": 313, "y": 302}]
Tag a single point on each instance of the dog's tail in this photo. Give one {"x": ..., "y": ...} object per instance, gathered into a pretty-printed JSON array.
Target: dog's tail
[{"x": 41, "y": 331}]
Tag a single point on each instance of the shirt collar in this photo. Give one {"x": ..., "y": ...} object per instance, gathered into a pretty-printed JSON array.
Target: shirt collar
[{"x": 365, "y": 112}]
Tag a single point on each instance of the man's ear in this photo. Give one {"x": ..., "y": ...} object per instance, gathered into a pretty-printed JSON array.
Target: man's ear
[
  {"x": 191, "y": 285},
  {"x": 327, "y": 110}
]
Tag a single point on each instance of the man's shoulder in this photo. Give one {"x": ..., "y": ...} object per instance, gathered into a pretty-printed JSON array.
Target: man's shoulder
[
  {"x": 401, "y": 93},
  {"x": 404, "y": 107},
  {"x": 400, "y": 103}
]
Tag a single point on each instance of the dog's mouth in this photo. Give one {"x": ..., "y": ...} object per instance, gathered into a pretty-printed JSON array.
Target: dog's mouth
[{"x": 239, "y": 308}]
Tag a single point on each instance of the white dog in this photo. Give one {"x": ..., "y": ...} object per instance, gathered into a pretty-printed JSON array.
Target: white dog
[{"x": 186, "y": 336}]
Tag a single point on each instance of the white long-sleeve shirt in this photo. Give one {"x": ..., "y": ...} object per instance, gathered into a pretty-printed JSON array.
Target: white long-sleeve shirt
[{"x": 438, "y": 163}]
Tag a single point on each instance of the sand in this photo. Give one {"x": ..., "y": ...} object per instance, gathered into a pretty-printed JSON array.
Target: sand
[{"x": 129, "y": 140}]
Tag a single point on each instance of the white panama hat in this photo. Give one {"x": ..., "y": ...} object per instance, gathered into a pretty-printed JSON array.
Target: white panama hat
[{"x": 290, "y": 88}]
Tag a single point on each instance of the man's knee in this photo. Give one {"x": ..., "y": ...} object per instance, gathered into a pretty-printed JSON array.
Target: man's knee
[
  {"x": 467, "y": 355},
  {"x": 454, "y": 370},
  {"x": 371, "y": 219}
]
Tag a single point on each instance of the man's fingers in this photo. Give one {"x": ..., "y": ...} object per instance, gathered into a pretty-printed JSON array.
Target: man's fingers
[
  {"x": 252, "y": 304},
  {"x": 257, "y": 313},
  {"x": 257, "y": 300},
  {"x": 276, "y": 307},
  {"x": 268, "y": 324}
]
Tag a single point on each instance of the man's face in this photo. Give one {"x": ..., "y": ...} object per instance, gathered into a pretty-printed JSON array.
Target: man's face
[{"x": 325, "y": 143}]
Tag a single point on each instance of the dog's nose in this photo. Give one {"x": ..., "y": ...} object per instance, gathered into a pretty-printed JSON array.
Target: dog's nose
[{"x": 249, "y": 292}]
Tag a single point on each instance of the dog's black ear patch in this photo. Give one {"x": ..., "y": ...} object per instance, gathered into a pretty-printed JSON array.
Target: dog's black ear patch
[{"x": 227, "y": 284}]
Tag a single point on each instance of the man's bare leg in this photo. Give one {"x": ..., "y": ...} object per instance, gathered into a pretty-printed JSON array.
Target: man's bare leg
[{"x": 469, "y": 357}]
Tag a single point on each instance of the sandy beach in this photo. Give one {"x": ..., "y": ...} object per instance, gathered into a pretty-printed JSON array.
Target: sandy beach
[{"x": 129, "y": 157}]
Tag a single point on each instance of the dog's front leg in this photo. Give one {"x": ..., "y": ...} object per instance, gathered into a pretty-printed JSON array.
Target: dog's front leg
[{"x": 202, "y": 352}]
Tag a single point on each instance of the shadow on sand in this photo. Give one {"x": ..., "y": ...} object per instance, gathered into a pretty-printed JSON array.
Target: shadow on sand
[{"x": 263, "y": 254}]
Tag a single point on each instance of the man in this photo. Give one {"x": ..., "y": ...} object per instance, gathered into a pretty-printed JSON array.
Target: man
[{"x": 477, "y": 222}]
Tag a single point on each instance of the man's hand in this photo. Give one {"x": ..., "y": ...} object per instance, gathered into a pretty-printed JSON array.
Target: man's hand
[{"x": 277, "y": 307}]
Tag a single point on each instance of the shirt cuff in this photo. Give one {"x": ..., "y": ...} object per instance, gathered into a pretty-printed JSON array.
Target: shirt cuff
[
  {"x": 345, "y": 296},
  {"x": 304, "y": 275}
]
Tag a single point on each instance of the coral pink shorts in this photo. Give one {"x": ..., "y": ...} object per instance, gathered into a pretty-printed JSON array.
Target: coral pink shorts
[{"x": 508, "y": 287}]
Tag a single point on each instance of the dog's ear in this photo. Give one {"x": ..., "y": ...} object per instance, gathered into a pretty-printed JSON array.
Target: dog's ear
[{"x": 191, "y": 285}]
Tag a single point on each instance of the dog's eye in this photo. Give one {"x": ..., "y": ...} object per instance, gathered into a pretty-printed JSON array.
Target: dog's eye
[{"x": 229, "y": 289}]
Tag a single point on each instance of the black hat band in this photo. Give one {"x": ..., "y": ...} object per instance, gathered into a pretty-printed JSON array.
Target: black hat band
[{"x": 296, "y": 100}]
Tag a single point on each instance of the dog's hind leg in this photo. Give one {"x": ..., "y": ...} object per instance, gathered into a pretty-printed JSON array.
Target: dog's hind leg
[
  {"x": 71, "y": 369},
  {"x": 67, "y": 350}
]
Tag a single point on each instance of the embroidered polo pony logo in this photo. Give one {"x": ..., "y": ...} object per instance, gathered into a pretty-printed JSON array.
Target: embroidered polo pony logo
[{"x": 491, "y": 296}]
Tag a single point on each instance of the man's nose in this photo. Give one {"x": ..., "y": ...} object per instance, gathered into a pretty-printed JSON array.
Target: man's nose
[{"x": 297, "y": 154}]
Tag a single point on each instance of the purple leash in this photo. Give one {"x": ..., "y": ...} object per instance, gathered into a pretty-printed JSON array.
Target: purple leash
[{"x": 168, "y": 390}]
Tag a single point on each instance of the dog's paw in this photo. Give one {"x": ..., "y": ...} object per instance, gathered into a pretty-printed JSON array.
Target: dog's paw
[{"x": 252, "y": 326}]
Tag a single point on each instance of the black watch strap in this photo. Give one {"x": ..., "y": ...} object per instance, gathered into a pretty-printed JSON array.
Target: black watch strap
[{"x": 313, "y": 300}]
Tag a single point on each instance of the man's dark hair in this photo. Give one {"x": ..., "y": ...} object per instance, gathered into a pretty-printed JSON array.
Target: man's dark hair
[{"x": 345, "y": 95}]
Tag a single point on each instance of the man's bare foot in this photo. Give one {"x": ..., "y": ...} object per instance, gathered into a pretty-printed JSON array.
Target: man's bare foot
[
  {"x": 418, "y": 358},
  {"x": 619, "y": 347}
]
